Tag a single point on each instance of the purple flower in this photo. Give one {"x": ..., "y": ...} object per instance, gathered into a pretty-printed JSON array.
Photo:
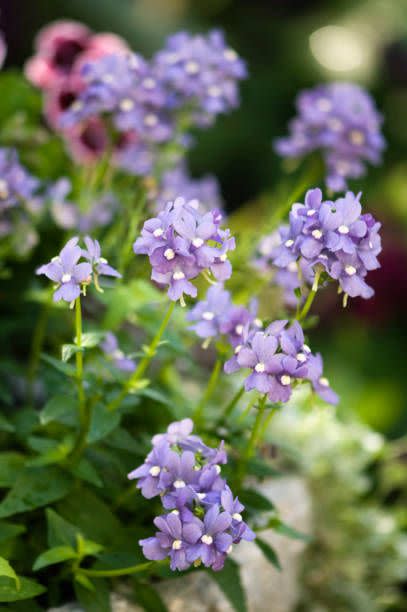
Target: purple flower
[
  {"x": 210, "y": 314},
  {"x": 319, "y": 382},
  {"x": 177, "y": 432},
  {"x": 339, "y": 119},
  {"x": 150, "y": 475},
  {"x": 232, "y": 505},
  {"x": 65, "y": 270},
  {"x": 181, "y": 242},
  {"x": 213, "y": 543},
  {"x": 99, "y": 264},
  {"x": 110, "y": 347},
  {"x": 3, "y": 50}
]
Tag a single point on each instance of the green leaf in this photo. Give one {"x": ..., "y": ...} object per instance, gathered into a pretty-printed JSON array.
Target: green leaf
[
  {"x": 148, "y": 598},
  {"x": 278, "y": 525},
  {"x": 60, "y": 408},
  {"x": 97, "y": 600},
  {"x": 230, "y": 583},
  {"x": 103, "y": 422},
  {"x": 60, "y": 366},
  {"x": 60, "y": 531},
  {"x": 155, "y": 395},
  {"x": 91, "y": 339},
  {"x": 11, "y": 464},
  {"x": 261, "y": 469},
  {"x": 85, "y": 471},
  {"x": 59, "y": 554},
  {"x": 8, "y": 531},
  {"x": 5, "y": 425},
  {"x": 120, "y": 438},
  {"x": 28, "y": 589},
  {"x": 34, "y": 488},
  {"x": 68, "y": 350},
  {"x": 7, "y": 570},
  {"x": 268, "y": 552},
  {"x": 56, "y": 452},
  {"x": 255, "y": 500}
]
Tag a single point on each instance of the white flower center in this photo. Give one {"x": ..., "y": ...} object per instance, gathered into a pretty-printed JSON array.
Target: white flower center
[
  {"x": 350, "y": 270},
  {"x": 230, "y": 55},
  {"x": 306, "y": 348},
  {"x": 238, "y": 349},
  {"x": 324, "y": 105},
  {"x": 260, "y": 367},
  {"x": 223, "y": 257},
  {"x": 56, "y": 259},
  {"x": 66, "y": 278},
  {"x": 289, "y": 243},
  {"x": 179, "y": 484},
  {"x": 4, "y": 192},
  {"x": 229, "y": 550},
  {"x": 149, "y": 83},
  {"x": 207, "y": 539},
  {"x": 357, "y": 137},
  {"x": 176, "y": 545},
  {"x": 169, "y": 254},
  {"x": 311, "y": 212},
  {"x": 150, "y": 120},
  {"x": 237, "y": 517},
  {"x": 126, "y": 105},
  {"x": 292, "y": 266},
  {"x": 214, "y": 91},
  {"x": 217, "y": 469},
  {"x": 192, "y": 67},
  {"x": 285, "y": 380},
  {"x": 301, "y": 357},
  {"x": 178, "y": 275},
  {"x": 239, "y": 329},
  {"x": 102, "y": 260},
  {"x": 343, "y": 229},
  {"x": 197, "y": 242},
  {"x": 317, "y": 234},
  {"x": 77, "y": 106},
  {"x": 258, "y": 322},
  {"x": 324, "y": 381},
  {"x": 176, "y": 512},
  {"x": 201, "y": 495},
  {"x": 155, "y": 470},
  {"x": 158, "y": 232},
  {"x": 208, "y": 316},
  {"x": 335, "y": 124},
  {"x": 118, "y": 354}
]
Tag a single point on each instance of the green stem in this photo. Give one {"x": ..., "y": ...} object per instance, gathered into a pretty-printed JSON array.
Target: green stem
[
  {"x": 213, "y": 379},
  {"x": 125, "y": 571},
  {"x": 145, "y": 362},
  {"x": 308, "y": 303},
  {"x": 253, "y": 440},
  {"x": 130, "y": 230},
  {"x": 36, "y": 347},
  {"x": 229, "y": 408},
  {"x": 267, "y": 421}
]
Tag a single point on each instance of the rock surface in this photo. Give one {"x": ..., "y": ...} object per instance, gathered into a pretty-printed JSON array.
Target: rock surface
[{"x": 266, "y": 588}]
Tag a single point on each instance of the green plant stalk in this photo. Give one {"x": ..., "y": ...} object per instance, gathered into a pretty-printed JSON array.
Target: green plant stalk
[
  {"x": 253, "y": 441},
  {"x": 308, "y": 303},
  {"x": 145, "y": 362},
  {"x": 229, "y": 408},
  {"x": 134, "y": 220},
  {"x": 207, "y": 394},
  {"x": 125, "y": 571},
  {"x": 36, "y": 347},
  {"x": 267, "y": 421}
]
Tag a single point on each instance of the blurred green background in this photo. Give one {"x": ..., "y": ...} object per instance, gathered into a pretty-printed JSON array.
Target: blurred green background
[{"x": 289, "y": 45}]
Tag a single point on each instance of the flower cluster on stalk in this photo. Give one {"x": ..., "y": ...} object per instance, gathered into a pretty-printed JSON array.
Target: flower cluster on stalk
[
  {"x": 341, "y": 120},
  {"x": 71, "y": 274},
  {"x": 202, "y": 519},
  {"x": 333, "y": 237},
  {"x": 183, "y": 242}
]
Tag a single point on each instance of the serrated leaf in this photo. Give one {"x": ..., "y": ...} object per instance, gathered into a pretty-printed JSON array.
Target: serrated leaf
[
  {"x": 34, "y": 488},
  {"x": 103, "y": 422},
  {"x": 91, "y": 598},
  {"x": 55, "y": 555},
  {"x": 60, "y": 366},
  {"x": 7, "y": 570},
  {"x": 9, "y": 531},
  {"x": 229, "y": 581},
  {"x": 268, "y": 552},
  {"x": 28, "y": 589},
  {"x": 11, "y": 464},
  {"x": 148, "y": 598},
  {"x": 68, "y": 350},
  {"x": 60, "y": 408},
  {"x": 255, "y": 501}
]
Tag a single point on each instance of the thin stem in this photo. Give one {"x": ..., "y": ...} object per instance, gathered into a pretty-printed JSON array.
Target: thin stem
[
  {"x": 145, "y": 362},
  {"x": 253, "y": 440},
  {"x": 308, "y": 303},
  {"x": 229, "y": 408},
  {"x": 125, "y": 571},
  {"x": 131, "y": 227},
  {"x": 36, "y": 346},
  {"x": 213, "y": 379},
  {"x": 267, "y": 421}
]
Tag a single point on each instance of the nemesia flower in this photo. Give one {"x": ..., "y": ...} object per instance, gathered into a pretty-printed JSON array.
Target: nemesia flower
[
  {"x": 341, "y": 120},
  {"x": 332, "y": 235},
  {"x": 65, "y": 270},
  {"x": 203, "y": 519},
  {"x": 277, "y": 358},
  {"x": 110, "y": 347},
  {"x": 210, "y": 313},
  {"x": 93, "y": 254},
  {"x": 181, "y": 242}
]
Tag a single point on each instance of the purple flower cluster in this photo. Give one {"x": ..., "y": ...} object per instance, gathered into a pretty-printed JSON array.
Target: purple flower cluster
[
  {"x": 333, "y": 236},
  {"x": 203, "y": 520},
  {"x": 177, "y": 180},
  {"x": 71, "y": 275},
  {"x": 110, "y": 348},
  {"x": 341, "y": 120},
  {"x": 151, "y": 103},
  {"x": 278, "y": 358},
  {"x": 181, "y": 242},
  {"x": 68, "y": 215}
]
